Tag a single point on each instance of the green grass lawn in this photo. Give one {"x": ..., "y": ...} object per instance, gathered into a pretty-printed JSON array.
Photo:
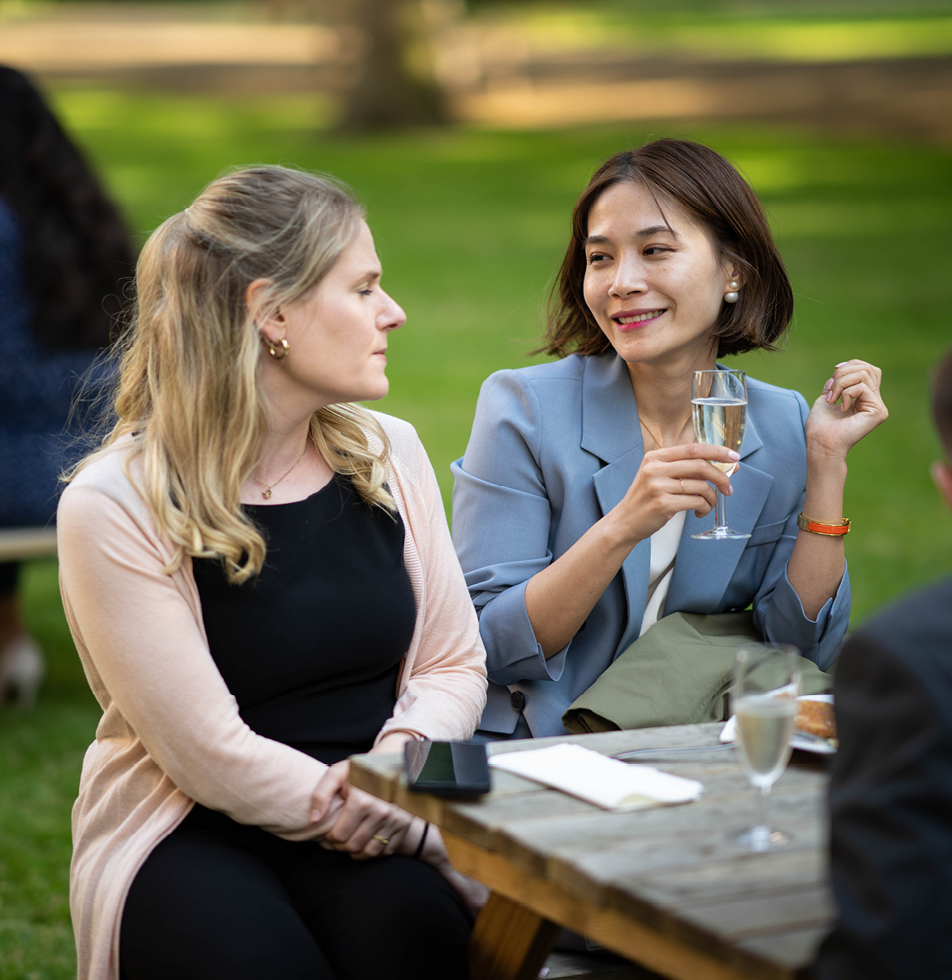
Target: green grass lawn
[{"x": 470, "y": 226}]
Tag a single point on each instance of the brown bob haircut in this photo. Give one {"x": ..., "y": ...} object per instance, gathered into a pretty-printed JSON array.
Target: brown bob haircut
[{"x": 704, "y": 186}]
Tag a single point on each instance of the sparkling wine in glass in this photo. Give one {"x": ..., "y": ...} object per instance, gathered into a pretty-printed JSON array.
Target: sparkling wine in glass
[
  {"x": 719, "y": 406},
  {"x": 764, "y": 702}
]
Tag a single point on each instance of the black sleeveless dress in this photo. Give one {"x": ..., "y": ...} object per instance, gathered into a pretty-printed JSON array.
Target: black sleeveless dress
[{"x": 311, "y": 647}]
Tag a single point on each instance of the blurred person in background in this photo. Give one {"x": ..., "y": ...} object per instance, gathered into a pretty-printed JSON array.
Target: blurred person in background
[
  {"x": 891, "y": 779},
  {"x": 64, "y": 254}
]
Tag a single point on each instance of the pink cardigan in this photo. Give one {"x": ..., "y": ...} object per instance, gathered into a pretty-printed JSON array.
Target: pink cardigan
[{"x": 170, "y": 731}]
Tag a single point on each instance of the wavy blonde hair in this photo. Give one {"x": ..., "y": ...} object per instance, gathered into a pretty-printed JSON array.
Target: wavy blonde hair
[{"x": 188, "y": 388}]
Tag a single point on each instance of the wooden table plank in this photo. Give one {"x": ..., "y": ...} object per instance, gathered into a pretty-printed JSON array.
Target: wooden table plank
[
  {"x": 783, "y": 910},
  {"x": 795, "y": 950},
  {"x": 665, "y": 954},
  {"x": 748, "y": 874},
  {"x": 590, "y": 850}
]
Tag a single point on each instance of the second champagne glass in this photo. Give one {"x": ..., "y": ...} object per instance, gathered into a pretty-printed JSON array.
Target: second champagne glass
[
  {"x": 719, "y": 406},
  {"x": 764, "y": 702}
]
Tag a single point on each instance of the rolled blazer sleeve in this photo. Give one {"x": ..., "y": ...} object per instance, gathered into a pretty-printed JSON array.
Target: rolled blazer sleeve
[
  {"x": 778, "y": 612},
  {"x": 501, "y": 524}
]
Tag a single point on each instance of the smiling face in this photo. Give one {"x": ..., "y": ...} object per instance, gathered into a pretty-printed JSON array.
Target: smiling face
[
  {"x": 653, "y": 281},
  {"x": 337, "y": 334}
]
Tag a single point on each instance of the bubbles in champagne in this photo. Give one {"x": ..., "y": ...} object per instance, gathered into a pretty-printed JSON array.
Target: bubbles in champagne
[
  {"x": 765, "y": 725},
  {"x": 720, "y": 422}
]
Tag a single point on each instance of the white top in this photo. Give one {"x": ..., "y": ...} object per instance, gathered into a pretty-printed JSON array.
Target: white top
[{"x": 664, "y": 549}]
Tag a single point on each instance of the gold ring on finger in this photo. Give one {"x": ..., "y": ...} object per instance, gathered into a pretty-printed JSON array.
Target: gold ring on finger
[{"x": 383, "y": 840}]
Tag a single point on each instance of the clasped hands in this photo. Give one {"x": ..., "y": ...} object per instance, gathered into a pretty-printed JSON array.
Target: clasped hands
[
  {"x": 357, "y": 823},
  {"x": 352, "y": 821}
]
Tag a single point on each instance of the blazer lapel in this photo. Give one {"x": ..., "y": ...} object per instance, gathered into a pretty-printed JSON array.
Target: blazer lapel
[
  {"x": 611, "y": 432},
  {"x": 704, "y": 569}
]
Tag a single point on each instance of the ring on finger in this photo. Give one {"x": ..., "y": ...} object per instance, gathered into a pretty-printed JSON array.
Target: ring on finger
[
  {"x": 682, "y": 485},
  {"x": 383, "y": 840}
]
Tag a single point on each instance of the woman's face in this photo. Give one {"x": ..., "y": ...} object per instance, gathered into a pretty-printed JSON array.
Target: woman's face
[
  {"x": 653, "y": 281},
  {"x": 337, "y": 333}
]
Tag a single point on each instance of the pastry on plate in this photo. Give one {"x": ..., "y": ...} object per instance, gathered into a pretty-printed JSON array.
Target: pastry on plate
[{"x": 816, "y": 718}]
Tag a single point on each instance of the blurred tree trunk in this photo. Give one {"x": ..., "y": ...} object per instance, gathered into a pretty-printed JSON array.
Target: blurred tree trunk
[{"x": 396, "y": 86}]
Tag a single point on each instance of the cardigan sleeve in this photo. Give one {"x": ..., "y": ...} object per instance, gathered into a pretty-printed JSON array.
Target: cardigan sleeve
[
  {"x": 150, "y": 659},
  {"x": 445, "y": 689}
]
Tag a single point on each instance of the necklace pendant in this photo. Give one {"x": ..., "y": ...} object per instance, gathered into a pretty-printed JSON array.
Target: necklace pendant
[{"x": 266, "y": 493}]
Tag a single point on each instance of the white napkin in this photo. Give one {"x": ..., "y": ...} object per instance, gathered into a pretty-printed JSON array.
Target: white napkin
[{"x": 598, "y": 779}]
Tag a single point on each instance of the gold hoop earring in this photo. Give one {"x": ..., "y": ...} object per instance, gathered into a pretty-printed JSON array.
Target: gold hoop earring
[{"x": 279, "y": 350}]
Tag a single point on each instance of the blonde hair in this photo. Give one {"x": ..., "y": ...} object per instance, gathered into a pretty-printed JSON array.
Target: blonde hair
[{"x": 188, "y": 388}]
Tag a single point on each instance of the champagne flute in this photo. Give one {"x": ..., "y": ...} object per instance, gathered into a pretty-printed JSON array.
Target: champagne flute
[
  {"x": 764, "y": 702},
  {"x": 719, "y": 406}
]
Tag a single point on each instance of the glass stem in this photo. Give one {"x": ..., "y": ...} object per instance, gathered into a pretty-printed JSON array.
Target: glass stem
[
  {"x": 760, "y": 813},
  {"x": 720, "y": 511}
]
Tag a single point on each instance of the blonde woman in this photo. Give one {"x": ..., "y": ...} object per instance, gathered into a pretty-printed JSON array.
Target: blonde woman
[{"x": 260, "y": 582}]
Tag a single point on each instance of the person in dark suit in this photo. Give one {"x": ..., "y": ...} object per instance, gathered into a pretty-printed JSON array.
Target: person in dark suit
[{"x": 891, "y": 789}]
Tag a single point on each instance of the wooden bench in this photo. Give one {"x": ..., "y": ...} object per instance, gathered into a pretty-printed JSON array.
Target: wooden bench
[{"x": 20, "y": 543}]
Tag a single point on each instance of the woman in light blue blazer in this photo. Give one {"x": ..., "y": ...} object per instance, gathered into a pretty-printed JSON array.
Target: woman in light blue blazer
[{"x": 575, "y": 503}]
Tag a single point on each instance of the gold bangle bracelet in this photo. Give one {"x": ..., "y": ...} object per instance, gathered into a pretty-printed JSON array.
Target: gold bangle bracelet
[{"x": 820, "y": 527}]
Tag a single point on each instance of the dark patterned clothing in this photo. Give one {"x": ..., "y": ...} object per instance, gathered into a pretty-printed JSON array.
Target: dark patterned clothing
[{"x": 36, "y": 389}]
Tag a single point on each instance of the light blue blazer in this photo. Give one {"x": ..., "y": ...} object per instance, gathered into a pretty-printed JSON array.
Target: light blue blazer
[{"x": 554, "y": 448}]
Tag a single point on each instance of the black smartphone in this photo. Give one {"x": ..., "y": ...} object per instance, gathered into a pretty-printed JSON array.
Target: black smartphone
[{"x": 456, "y": 769}]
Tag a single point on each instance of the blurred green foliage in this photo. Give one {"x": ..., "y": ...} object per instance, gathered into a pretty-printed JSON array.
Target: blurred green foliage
[
  {"x": 731, "y": 32},
  {"x": 470, "y": 226}
]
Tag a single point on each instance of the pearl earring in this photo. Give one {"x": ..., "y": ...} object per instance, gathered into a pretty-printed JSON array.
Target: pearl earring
[{"x": 733, "y": 296}]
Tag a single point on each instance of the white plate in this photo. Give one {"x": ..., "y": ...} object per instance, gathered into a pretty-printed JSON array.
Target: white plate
[{"x": 799, "y": 741}]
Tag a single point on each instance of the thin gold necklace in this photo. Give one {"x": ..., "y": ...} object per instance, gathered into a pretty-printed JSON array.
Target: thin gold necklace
[
  {"x": 658, "y": 442},
  {"x": 266, "y": 493}
]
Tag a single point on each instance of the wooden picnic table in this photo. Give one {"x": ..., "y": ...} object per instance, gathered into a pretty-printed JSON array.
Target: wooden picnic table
[{"x": 664, "y": 887}]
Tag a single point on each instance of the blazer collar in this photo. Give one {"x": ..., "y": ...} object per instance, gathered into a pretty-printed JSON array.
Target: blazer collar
[{"x": 610, "y": 426}]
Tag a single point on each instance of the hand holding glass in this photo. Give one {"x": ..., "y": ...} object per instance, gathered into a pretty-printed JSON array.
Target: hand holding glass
[
  {"x": 719, "y": 404},
  {"x": 764, "y": 701}
]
